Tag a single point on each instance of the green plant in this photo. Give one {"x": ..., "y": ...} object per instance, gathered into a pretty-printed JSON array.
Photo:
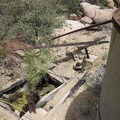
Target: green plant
[
  {"x": 102, "y": 47},
  {"x": 2, "y": 53},
  {"x": 99, "y": 2},
  {"x": 105, "y": 55},
  {"x": 36, "y": 67},
  {"x": 89, "y": 65},
  {"x": 28, "y": 20},
  {"x": 72, "y": 6}
]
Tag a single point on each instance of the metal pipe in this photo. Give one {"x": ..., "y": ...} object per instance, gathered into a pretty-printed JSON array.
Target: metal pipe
[{"x": 85, "y": 28}]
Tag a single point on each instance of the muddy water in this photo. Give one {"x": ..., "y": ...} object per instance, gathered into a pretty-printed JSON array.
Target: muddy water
[{"x": 18, "y": 99}]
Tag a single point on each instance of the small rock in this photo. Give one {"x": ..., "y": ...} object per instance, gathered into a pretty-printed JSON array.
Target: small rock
[
  {"x": 73, "y": 17},
  {"x": 71, "y": 49},
  {"x": 36, "y": 50},
  {"x": 5, "y": 96},
  {"x": 86, "y": 20},
  {"x": 60, "y": 54},
  {"x": 43, "y": 44},
  {"x": 52, "y": 65},
  {"x": 17, "y": 112},
  {"x": 24, "y": 88},
  {"x": 78, "y": 67},
  {"x": 7, "y": 78},
  {"x": 2, "y": 70},
  {"x": 20, "y": 53}
]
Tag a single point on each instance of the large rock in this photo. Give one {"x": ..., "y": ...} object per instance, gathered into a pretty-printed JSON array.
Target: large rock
[
  {"x": 86, "y": 20},
  {"x": 95, "y": 79},
  {"x": 85, "y": 4},
  {"x": 95, "y": 13}
]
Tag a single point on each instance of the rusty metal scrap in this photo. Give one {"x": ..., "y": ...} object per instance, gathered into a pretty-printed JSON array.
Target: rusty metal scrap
[
  {"x": 86, "y": 44},
  {"x": 84, "y": 28}
]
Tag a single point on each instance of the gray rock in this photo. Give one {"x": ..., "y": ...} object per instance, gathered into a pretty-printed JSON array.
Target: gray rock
[
  {"x": 95, "y": 79},
  {"x": 92, "y": 79}
]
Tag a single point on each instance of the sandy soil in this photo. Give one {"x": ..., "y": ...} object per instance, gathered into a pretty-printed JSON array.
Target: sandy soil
[{"x": 82, "y": 105}]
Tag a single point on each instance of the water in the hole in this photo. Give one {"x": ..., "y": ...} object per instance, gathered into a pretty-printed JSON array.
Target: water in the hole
[{"x": 18, "y": 99}]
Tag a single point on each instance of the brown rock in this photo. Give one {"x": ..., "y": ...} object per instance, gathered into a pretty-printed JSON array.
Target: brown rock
[
  {"x": 86, "y": 20},
  {"x": 96, "y": 14},
  {"x": 73, "y": 17}
]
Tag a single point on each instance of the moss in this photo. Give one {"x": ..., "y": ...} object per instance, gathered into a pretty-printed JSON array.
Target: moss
[
  {"x": 2, "y": 53},
  {"x": 89, "y": 65},
  {"x": 105, "y": 55}
]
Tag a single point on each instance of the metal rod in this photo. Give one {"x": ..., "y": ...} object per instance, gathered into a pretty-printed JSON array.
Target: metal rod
[
  {"x": 85, "y": 28},
  {"x": 86, "y": 51},
  {"x": 65, "y": 45}
]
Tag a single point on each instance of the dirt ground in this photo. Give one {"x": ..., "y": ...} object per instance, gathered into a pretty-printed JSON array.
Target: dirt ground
[{"x": 83, "y": 104}]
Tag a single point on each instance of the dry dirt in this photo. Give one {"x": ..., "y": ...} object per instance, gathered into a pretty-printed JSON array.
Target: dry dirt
[{"x": 82, "y": 105}]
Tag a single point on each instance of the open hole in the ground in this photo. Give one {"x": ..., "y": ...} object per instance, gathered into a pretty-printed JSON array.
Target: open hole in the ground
[{"x": 16, "y": 98}]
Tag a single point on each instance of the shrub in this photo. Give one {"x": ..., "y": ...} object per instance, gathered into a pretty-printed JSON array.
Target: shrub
[
  {"x": 36, "y": 67},
  {"x": 28, "y": 20},
  {"x": 73, "y": 6},
  {"x": 98, "y": 2},
  {"x": 105, "y": 55}
]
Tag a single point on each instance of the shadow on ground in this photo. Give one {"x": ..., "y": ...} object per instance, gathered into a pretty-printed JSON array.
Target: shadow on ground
[{"x": 83, "y": 106}]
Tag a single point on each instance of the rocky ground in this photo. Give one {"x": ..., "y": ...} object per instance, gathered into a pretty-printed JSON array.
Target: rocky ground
[{"x": 83, "y": 104}]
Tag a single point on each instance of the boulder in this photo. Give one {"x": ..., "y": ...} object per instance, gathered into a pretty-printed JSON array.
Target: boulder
[
  {"x": 86, "y": 20},
  {"x": 85, "y": 4},
  {"x": 95, "y": 79},
  {"x": 96, "y": 13},
  {"x": 102, "y": 15}
]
